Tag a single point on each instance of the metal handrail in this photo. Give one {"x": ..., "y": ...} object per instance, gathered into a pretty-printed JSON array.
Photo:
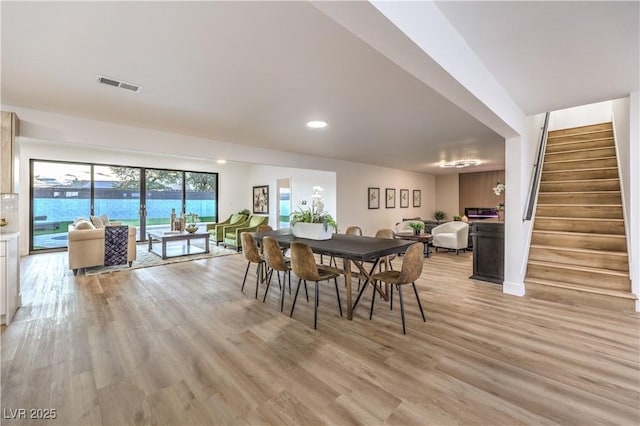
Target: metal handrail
[{"x": 537, "y": 170}]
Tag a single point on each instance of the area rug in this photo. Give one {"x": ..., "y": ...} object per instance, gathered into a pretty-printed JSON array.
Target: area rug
[{"x": 146, "y": 259}]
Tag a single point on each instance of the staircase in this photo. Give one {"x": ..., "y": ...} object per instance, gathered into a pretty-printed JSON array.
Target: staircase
[{"x": 578, "y": 251}]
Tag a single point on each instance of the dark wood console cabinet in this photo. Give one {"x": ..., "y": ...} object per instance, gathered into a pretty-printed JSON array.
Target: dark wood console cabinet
[{"x": 488, "y": 251}]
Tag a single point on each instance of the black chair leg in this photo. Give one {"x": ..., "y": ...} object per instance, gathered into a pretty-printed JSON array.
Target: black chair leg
[
  {"x": 373, "y": 300},
  {"x": 306, "y": 292},
  {"x": 404, "y": 330},
  {"x": 258, "y": 276},
  {"x": 415, "y": 290},
  {"x": 295, "y": 297},
  {"x": 391, "y": 298},
  {"x": 245, "y": 276},
  {"x": 335, "y": 280},
  {"x": 315, "y": 308},
  {"x": 269, "y": 276}
]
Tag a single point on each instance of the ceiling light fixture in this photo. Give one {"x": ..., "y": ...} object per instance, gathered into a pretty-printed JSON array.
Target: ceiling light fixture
[
  {"x": 317, "y": 124},
  {"x": 221, "y": 161},
  {"x": 458, "y": 164}
]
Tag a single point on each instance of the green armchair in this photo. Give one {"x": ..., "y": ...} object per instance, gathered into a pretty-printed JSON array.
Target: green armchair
[
  {"x": 217, "y": 229},
  {"x": 232, "y": 232}
]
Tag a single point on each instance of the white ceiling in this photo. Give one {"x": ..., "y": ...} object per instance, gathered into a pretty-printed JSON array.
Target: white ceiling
[{"x": 255, "y": 72}]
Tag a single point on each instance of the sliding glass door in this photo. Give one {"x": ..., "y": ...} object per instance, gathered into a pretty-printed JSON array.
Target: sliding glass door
[
  {"x": 135, "y": 196},
  {"x": 117, "y": 194},
  {"x": 164, "y": 194},
  {"x": 60, "y": 192}
]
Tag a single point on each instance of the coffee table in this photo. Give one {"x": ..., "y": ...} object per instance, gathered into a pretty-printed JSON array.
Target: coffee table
[
  {"x": 165, "y": 236},
  {"x": 423, "y": 238}
]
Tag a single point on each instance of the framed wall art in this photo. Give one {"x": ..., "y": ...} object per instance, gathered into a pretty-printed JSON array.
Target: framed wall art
[
  {"x": 417, "y": 198},
  {"x": 390, "y": 198},
  {"x": 261, "y": 199},
  {"x": 404, "y": 198},
  {"x": 373, "y": 194}
]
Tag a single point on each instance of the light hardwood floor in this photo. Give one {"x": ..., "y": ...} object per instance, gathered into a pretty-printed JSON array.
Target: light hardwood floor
[{"x": 180, "y": 344}]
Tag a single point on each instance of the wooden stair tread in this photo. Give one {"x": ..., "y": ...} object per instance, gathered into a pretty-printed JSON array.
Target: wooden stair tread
[
  {"x": 589, "y": 269},
  {"x": 552, "y": 133},
  {"x": 594, "y": 290},
  {"x": 551, "y": 138},
  {"x": 581, "y": 250},
  {"x": 572, "y": 219},
  {"x": 581, "y": 170},
  {"x": 559, "y": 182},
  {"x": 579, "y": 205},
  {"x": 579, "y": 160},
  {"x": 574, "y": 150},
  {"x": 582, "y": 192},
  {"x": 584, "y": 234}
]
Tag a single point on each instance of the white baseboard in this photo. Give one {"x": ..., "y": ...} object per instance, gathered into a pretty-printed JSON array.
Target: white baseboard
[{"x": 514, "y": 289}]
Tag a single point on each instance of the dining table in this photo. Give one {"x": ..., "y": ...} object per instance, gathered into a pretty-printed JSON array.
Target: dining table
[{"x": 355, "y": 249}]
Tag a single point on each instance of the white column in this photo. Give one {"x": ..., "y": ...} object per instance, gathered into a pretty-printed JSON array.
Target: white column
[{"x": 634, "y": 194}]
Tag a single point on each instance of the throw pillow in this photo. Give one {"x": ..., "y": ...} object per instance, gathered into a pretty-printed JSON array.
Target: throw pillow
[
  {"x": 105, "y": 220},
  {"x": 84, "y": 224},
  {"x": 97, "y": 221}
]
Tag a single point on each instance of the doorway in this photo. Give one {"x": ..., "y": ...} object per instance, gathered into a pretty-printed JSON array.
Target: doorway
[{"x": 283, "y": 189}]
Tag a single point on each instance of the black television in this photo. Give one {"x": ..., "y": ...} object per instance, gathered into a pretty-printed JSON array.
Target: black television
[{"x": 476, "y": 213}]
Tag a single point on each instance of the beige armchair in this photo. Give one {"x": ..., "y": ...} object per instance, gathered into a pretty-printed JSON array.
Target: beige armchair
[
  {"x": 86, "y": 248},
  {"x": 451, "y": 235}
]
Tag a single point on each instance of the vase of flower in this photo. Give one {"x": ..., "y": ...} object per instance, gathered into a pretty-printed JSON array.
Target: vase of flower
[{"x": 501, "y": 215}]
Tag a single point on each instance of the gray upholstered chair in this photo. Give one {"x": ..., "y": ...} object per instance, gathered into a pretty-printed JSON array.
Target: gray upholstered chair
[{"x": 451, "y": 235}]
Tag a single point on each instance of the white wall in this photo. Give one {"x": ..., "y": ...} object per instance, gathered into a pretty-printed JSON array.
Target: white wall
[
  {"x": 448, "y": 194},
  {"x": 302, "y": 183},
  {"x": 621, "y": 123},
  {"x": 581, "y": 116},
  {"x": 634, "y": 193},
  {"x": 353, "y": 181}
]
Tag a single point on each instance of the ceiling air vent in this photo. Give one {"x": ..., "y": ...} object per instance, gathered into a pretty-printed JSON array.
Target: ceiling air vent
[{"x": 121, "y": 84}]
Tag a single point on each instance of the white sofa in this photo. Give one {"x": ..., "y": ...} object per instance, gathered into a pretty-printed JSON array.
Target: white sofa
[
  {"x": 404, "y": 228},
  {"x": 86, "y": 246},
  {"x": 451, "y": 235}
]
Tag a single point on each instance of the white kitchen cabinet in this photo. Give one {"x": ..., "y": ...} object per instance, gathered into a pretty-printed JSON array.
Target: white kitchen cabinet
[{"x": 9, "y": 276}]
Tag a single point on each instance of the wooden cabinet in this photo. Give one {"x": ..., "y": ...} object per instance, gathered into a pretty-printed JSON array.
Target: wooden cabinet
[
  {"x": 488, "y": 251},
  {"x": 9, "y": 127},
  {"x": 9, "y": 277}
]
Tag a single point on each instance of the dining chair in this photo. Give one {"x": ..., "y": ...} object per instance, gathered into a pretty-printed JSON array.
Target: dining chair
[
  {"x": 408, "y": 274},
  {"x": 390, "y": 235},
  {"x": 264, "y": 228},
  {"x": 251, "y": 253},
  {"x": 303, "y": 264},
  {"x": 353, "y": 230},
  {"x": 276, "y": 261}
]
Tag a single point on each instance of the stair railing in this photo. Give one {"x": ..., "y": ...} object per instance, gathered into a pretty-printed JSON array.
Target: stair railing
[{"x": 537, "y": 170}]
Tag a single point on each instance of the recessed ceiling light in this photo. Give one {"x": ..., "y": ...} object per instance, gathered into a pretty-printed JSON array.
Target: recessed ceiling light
[
  {"x": 221, "y": 161},
  {"x": 458, "y": 164},
  {"x": 317, "y": 124}
]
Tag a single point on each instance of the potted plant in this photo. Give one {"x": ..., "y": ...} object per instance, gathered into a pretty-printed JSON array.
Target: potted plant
[
  {"x": 313, "y": 223},
  {"x": 499, "y": 189},
  {"x": 417, "y": 227},
  {"x": 439, "y": 215},
  {"x": 457, "y": 217}
]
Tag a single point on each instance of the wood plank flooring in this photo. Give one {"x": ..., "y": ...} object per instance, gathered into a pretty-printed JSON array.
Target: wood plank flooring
[{"x": 180, "y": 344}]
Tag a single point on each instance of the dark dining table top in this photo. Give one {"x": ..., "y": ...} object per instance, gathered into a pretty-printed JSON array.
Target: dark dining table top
[{"x": 352, "y": 247}]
